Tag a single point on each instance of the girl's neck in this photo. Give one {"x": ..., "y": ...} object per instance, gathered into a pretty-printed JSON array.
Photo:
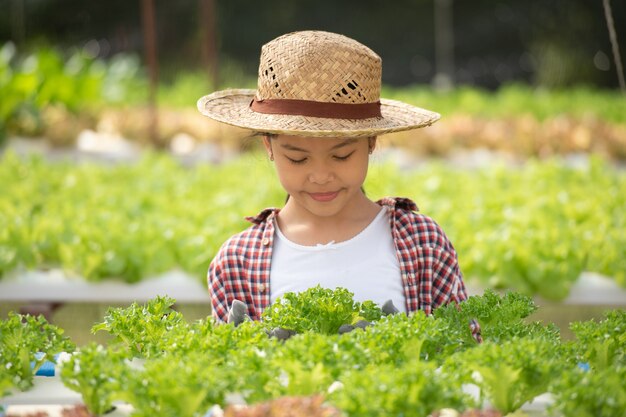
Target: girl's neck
[{"x": 305, "y": 228}]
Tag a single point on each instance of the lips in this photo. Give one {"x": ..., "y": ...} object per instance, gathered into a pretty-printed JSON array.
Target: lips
[{"x": 324, "y": 197}]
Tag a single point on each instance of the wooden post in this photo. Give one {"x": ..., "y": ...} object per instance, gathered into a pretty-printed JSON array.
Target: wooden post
[
  {"x": 444, "y": 45},
  {"x": 209, "y": 40},
  {"x": 150, "y": 49},
  {"x": 615, "y": 45}
]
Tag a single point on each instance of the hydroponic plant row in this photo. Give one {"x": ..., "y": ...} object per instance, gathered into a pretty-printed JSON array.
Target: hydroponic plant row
[
  {"x": 393, "y": 364},
  {"x": 532, "y": 229}
]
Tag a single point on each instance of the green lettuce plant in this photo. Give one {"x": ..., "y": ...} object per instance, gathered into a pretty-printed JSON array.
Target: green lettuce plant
[
  {"x": 26, "y": 342},
  {"x": 318, "y": 309},
  {"x": 531, "y": 230},
  {"x": 593, "y": 384},
  {"x": 589, "y": 393},
  {"x": 99, "y": 374},
  {"x": 414, "y": 390},
  {"x": 509, "y": 373},
  {"x": 401, "y": 364},
  {"x": 144, "y": 329}
]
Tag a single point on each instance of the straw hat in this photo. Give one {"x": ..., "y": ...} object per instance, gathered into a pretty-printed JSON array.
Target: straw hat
[{"x": 314, "y": 83}]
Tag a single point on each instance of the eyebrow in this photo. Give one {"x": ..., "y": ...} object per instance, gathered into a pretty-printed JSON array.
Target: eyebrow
[{"x": 337, "y": 146}]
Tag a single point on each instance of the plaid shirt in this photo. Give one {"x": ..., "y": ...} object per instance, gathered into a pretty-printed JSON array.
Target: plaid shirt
[{"x": 428, "y": 264}]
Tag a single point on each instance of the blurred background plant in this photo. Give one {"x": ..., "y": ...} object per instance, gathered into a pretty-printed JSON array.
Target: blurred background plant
[
  {"x": 543, "y": 73},
  {"x": 46, "y": 92}
]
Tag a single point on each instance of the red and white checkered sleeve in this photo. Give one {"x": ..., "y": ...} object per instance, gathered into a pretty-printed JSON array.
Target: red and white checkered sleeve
[
  {"x": 219, "y": 298},
  {"x": 447, "y": 280},
  {"x": 448, "y": 285}
]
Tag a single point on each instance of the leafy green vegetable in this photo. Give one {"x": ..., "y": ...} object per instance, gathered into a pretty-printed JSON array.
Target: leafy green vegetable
[
  {"x": 601, "y": 344},
  {"x": 593, "y": 385},
  {"x": 531, "y": 229},
  {"x": 500, "y": 317},
  {"x": 318, "y": 309},
  {"x": 205, "y": 361},
  {"x": 26, "y": 342},
  {"x": 98, "y": 373},
  {"x": 183, "y": 386},
  {"x": 509, "y": 373},
  {"x": 597, "y": 392},
  {"x": 146, "y": 330},
  {"x": 400, "y": 365},
  {"x": 414, "y": 390},
  {"x": 400, "y": 338},
  {"x": 6, "y": 383}
]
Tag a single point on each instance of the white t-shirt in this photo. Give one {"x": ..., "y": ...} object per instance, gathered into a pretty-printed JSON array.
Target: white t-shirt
[{"x": 367, "y": 265}]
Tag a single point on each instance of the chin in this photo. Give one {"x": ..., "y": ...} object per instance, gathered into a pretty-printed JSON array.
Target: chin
[{"x": 325, "y": 209}]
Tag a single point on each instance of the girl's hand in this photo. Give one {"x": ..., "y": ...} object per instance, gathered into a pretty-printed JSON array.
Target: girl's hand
[
  {"x": 237, "y": 313},
  {"x": 388, "y": 308}
]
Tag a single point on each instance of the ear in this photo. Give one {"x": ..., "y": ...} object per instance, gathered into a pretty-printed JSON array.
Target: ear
[
  {"x": 371, "y": 142},
  {"x": 267, "y": 142}
]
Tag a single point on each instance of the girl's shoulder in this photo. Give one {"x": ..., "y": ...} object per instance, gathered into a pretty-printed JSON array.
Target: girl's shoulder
[
  {"x": 413, "y": 225},
  {"x": 398, "y": 203},
  {"x": 262, "y": 227},
  {"x": 263, "y": 216}
]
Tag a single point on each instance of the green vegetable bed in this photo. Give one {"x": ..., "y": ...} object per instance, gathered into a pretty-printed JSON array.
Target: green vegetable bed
[
  {"x": 398, "y": 365},
  {"x": 532, "y": 229}
]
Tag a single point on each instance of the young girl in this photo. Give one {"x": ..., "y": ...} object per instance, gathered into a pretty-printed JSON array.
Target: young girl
[{"x": 319, "y": 111}]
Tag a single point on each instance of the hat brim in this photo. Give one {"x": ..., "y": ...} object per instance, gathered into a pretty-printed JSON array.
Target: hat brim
[{"x": 233, "y": 107}]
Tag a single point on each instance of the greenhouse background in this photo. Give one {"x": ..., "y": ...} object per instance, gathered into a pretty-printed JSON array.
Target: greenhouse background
[{"x": 115, "y": 190}]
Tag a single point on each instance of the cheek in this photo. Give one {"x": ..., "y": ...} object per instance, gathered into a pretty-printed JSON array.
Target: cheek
[
  {"x": 286, "y": 181},
  {"x": 287, "y": 176},
  {"x": 357, "y": 173}
]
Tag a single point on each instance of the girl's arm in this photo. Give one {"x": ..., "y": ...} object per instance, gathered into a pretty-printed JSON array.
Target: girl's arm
[{"x": 219, "y": 302}]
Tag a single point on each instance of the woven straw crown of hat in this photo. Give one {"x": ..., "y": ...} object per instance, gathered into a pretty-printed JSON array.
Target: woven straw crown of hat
[{"x": 315, "y": 83}]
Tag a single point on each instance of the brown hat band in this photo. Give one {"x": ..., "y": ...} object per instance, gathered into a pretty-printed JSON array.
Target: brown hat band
[{"x": 316, "y": 108}]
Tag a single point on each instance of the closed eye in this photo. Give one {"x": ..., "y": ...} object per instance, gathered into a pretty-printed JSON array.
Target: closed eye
[
  {"x": 343, "y": 158},
  {"x": 296, "y": 161}
]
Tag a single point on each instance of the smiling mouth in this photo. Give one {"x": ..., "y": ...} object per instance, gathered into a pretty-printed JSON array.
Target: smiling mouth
[{"x": 324, "y": 197}]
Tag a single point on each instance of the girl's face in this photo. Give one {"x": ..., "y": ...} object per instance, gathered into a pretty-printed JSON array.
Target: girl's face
[{"x": 323, "y": 176}]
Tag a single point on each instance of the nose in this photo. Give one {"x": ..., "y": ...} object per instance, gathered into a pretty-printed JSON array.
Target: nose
[{"x": 321, "y": 174}]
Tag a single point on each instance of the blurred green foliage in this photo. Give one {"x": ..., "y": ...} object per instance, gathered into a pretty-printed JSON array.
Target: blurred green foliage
[
  {"x": 78, "y": 83},
  {"x": 182, "y": 89},
  {"x": 532, "y": 229},
  {"x": 514, "y": 100}
]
